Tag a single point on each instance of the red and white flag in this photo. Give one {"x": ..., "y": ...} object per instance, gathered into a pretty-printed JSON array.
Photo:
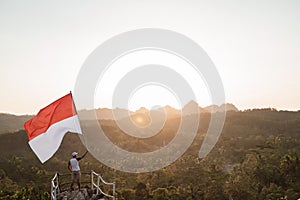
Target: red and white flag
[{"x": 47, "y": 129}]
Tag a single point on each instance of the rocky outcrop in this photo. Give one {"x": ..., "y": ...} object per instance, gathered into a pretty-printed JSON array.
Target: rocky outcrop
[{"x": 83, "y": 194}]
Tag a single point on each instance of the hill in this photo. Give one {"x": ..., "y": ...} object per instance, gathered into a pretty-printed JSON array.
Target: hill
[
  {"x": 256, "y": 157},
  {"x": 12, "y": 123}
]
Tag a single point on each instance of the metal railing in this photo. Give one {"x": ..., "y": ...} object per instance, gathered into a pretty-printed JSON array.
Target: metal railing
[
  {"x": 57, "y": 186},
  {"x": 54, "y": 186},
  {"x": 97, "y": 185},
  {"x": 65, "y": 180}
]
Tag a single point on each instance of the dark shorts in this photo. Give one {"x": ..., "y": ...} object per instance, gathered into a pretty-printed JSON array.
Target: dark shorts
[{"x": 76, "y": 176}]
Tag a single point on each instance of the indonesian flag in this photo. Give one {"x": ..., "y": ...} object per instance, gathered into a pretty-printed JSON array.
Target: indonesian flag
[{"x": 47, "y": 129}]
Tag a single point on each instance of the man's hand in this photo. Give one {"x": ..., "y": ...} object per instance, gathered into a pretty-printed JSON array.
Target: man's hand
[{"x": 84, "y": 154}]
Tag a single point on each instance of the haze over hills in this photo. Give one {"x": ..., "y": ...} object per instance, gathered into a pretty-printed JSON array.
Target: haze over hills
[
  {"x": 11, "y": 123},
  {"x": 119, "y": 113}
]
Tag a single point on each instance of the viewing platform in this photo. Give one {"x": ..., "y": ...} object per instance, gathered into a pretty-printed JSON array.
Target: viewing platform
[{"x": 93, "y": 187}]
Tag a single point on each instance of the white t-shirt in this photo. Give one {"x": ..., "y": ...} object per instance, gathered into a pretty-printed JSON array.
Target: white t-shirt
[{"x": 75, "y": 165}]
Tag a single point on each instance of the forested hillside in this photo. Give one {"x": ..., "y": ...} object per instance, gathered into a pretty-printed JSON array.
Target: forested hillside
[
  {"x": 12, "y": 123},
  {"x": 256, "y": 157}
]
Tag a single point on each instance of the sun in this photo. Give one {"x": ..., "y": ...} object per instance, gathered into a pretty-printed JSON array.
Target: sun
[{"x": 141, "y": 120}]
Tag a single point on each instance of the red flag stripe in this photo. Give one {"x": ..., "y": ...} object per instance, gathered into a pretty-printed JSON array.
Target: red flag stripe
[{"x": 58, "y": 110}]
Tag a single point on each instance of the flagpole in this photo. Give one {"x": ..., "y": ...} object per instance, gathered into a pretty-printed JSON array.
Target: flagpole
[
  {"x": 73, "y": 102},
  {"x": 84, "y": 142}
]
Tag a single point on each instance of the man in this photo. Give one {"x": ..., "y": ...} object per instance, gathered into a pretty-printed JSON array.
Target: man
[{"x": 73, "y": 166}]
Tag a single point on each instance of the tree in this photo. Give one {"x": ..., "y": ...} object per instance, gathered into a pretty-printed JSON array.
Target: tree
[
  {"x": 141, "y": 191},
  {"x": 160, "y": 194}
]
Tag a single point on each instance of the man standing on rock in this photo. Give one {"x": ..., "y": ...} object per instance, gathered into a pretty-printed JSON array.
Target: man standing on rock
[{"x": 73, "y": 166}]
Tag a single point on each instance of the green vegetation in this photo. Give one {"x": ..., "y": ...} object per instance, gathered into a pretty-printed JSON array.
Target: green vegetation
[
  {"x": 256, "y": 157},
  {"x": 12, "y": 123}
]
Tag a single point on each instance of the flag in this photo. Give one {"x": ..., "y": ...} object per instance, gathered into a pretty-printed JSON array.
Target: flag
[{"x": 47, "y": 129}]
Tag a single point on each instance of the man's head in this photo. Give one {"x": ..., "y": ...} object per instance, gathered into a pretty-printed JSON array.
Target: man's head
[{"x": 74, "y": 154}]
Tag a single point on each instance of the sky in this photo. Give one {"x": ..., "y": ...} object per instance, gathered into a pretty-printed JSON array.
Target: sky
[{"x": 255, "y": 46}]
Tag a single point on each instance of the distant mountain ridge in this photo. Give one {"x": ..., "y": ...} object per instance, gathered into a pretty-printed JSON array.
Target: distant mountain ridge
[
  {"x": 215, "y": 108},
  {"x": 119, "y": 113},
  {"x": 12, "y": 123},
  {"x": 105, "y": 113}
]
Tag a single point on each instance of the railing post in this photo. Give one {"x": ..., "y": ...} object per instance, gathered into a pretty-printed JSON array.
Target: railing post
[
  {"x": 53, "y": 187},
  {"x": 58, "y": 183},
  {"x": 98, "y": 183},
  {"x": 92, "y": 180},
  {"x": 55, "y": 193},
  {"x": 51, "y": 190},
  {"x": 114, "y": 190}
]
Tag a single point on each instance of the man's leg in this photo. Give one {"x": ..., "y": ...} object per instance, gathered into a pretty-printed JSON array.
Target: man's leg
[
  {"x": 78, "y": 180},
  {"x": 78, "y": 185},
  {"x": 72, "y": 183}
]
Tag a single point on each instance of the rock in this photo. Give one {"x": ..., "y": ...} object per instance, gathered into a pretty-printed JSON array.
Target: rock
[
  {"x": 90, "y": 192},
  {"x": 84, "y": 194},
  {"x": 74, "y": 195}
]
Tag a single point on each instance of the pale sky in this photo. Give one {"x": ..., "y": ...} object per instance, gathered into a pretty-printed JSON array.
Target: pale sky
[{"x": 255, "y": 45}]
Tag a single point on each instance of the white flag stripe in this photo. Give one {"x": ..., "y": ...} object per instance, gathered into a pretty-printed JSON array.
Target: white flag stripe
[{"x": 46, "y": 144}]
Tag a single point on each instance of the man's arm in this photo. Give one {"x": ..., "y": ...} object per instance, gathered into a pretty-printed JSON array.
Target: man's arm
[
  {"x": 69, "y": 166},
  {"x": 79, "y": 158}
]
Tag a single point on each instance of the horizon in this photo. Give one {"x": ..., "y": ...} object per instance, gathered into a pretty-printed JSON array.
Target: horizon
[{"x": 203, "y": 107}]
